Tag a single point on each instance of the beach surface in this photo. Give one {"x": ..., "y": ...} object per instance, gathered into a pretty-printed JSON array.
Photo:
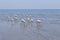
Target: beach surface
[{"x": 49, "y": 28}]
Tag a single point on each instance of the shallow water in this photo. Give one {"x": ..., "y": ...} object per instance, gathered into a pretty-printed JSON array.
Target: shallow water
[{"x": 49, "y": 27}]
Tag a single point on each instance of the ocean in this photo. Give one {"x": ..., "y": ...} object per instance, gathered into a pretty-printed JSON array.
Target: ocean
[{"x": 49, "y": 26}]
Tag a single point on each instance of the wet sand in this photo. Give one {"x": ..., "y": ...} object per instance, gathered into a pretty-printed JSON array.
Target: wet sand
[{"x": 49, "y": 29}]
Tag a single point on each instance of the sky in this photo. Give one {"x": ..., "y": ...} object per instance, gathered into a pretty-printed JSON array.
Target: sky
[{"x": 29, "y": 4}]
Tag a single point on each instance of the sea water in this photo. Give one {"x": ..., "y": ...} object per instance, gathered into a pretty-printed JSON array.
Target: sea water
[{"x": 49, "y": 27}]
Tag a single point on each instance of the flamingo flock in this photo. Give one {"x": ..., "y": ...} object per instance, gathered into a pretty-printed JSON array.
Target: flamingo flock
[
  {"x": 29, "y": 20},
  {"x": 16, "y": 19},
  {"x": 23, "y": 21}
]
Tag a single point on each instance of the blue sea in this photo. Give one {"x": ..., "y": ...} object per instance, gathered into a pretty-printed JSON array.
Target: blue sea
[
  {"x": 28, "y": 11},
  {"x": 49, "y": 26}
]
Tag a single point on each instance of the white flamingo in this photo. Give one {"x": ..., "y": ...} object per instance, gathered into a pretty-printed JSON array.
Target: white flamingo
[
  {"x": 29, "y": 19},
  {"x": 11, "y": 21},
  {"x": 23, "y": 23},
  {"x": 38, "y": 21},
  {"x": 15, "y": 18},
  {"x": 8, "y": 18},
  {"x": 23, "y": 20}
]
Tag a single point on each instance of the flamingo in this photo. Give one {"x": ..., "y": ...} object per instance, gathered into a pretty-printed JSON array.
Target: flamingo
[
  {"x": 23, "y": 23},
  {"x": 29, "y": 19},
  {"x": 23, "y": 20},
  {"x": 11, "y": 21},
  {"x": 38, "y": 21},
  {"x": 8, "y": 18},
  {"x": 15, "y": 18}
]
